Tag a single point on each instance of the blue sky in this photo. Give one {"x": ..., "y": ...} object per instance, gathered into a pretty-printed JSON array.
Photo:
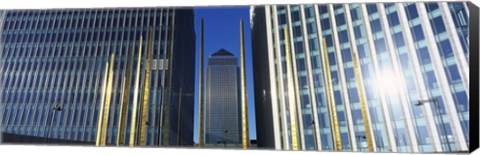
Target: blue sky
[{"x": 222, "y": 30}]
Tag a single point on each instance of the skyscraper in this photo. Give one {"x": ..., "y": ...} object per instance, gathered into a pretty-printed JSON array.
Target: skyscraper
[
  {"x": 379, "y": 77},
  {"x": 223, "y": 111},
  {"x": 53, "y": 74}
]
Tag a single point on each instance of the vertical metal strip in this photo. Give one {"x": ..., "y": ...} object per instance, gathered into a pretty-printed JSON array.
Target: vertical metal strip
[
  {"x": 272, "y": 32},
  {"x": 376, "y": 69},
  {"x": 153, "y": 120},
  {"x": 401, "y": 88},
  {"x": 459, "y": 139},
  {"x": 363, "y": 103},
  {"x": 458, "y": 53},
  {"x": 420, "y": 84},
  {"x": 142, "y": 79},
  {"x": 295, "y": 79},
  {"x": 8, "y": 71},
  {"x": 291, "y": 95},
  {"x": 106, "y": 105},
  {"x": 201, "y": 97},
  {"x": 280, "y": 81},
  {"x": 169, "y": 83},
  {"x": 135, "y": 97},
  {"x": 100, "y": 115},
  {"x": 164, "y": 72},
  {"x": 331, "y": 101},
  {"x": 122, "y": 121},
  {"x": 87, "y": 84},
  {"x": 28, "y": 73},
  {"x": 94, "y": 81},
  {"x": 19, "y": 74},
  {"x": 112, "y": 40},
  {"x": 245, "y": 131},
  {"x": 310, "y": 72},
  {"x": 146, "y": 92},
  {"x": 179, "y": 122}
]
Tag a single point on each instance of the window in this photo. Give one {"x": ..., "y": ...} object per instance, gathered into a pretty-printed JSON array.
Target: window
[
  {"x": 376, "y": 27},
  {"x": 325, "y": 24},
  {"x": 423, "y": 134},
  {"x": 311, "y": 29},
  {"x": 461, "y": 17},
  {"x": 371, "y": 8},
  {"x": 355, "y": 13},
  {"x": 462, "y": 101},
  {"x": 282, "y": 19},
  {"x": 393, "y": 19},
  {"x": 338, "y": 98},
  {"x": 299, "y": 47},
  {"x": 301, "y": 64},
  {"x": 343, "y": 36},
  {"x": 295, "y": 16},
  {"x": 361, "y": 51},
  {"x": 323, "y": 9},
  {"x": 404, "y": 60},
  {"x": 437, "y": 25},
  {"x": 431, "y": 81},
  {"x": 331, "y": 58},
  {"x": 357, "y": 116},
  {"x": 358, "y": 31},
  {"x": 399, "y": 42},
  {"x": 431, "y": 6},
  {"x": 446, "y": 48},
  {"x": 380, "y": 46},
  {"x": 313, "y": 44},
  {"x": 454, "y": 74},
  {"x": 349, "y": 74},
  {"x": 297, "y": 31},
  {"x": 340, "y": 19},
  {"x": 411, "y": 11},
  {"x": 417, "y": 33},
  {"x": 319, "y": 83},
  {"x": 329, "y": 40},
  {"x": 347, "y": 56},
  {"x": 309, "y": 12}
]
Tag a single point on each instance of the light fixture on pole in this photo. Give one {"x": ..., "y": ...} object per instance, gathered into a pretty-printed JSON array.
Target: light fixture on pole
[
  {"x": 437, "y": 111},
  {"x": 55, "y": 109}
]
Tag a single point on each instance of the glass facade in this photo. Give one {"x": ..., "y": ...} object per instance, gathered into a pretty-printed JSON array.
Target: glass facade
[
  {"x": 52, "y": 58},
  {"x": 223, "y": 121},
  {"x": 362, "y": 68}
]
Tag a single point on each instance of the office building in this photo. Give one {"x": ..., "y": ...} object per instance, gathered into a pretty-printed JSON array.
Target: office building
[
  {"x": 223, "y": 108},
  {"x": 362, "y": 77},
  {"x": 54, "y": 65}
]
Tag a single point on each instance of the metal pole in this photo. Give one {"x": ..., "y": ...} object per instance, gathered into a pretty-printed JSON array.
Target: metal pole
[
  {"x": 50, "y": 127},
  {"x": 50, "y": 122},
  {"x": 225, "y": 138},
  {"x": 443, "y": 124},
  {"x": 245, "y": 131},
  {"x": 201, "y": 96}
]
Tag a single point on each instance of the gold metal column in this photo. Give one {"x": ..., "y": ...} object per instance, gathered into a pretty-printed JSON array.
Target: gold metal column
[
  {"x": 135, "y": 97},
  {"x": 291, "y": 94},
  {"x": 363, "y": 103},
  {"x": 122, "y": 120},
  {"x": 331, "y": 101},
  {"x": 102, "y": 105},
  {"x": 201, "y": 96},
  {"x": 105, "y": 105},
  {"x": 107, "y": 101},
  {"x": 146, "y": 92},
  {"x": 245, "y": 132}
]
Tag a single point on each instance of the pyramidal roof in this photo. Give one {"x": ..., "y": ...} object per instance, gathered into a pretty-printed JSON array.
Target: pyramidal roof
[{"x": 222, "y": 52}]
